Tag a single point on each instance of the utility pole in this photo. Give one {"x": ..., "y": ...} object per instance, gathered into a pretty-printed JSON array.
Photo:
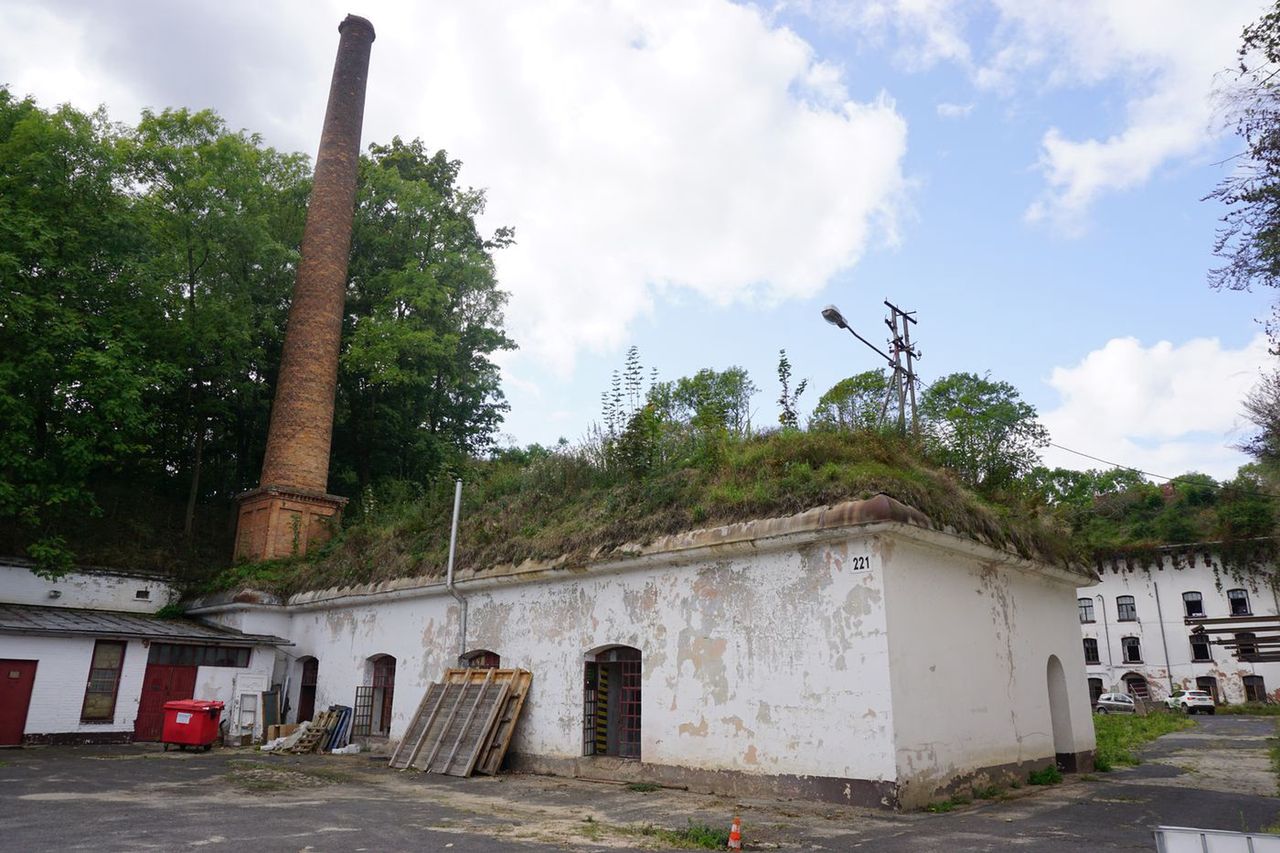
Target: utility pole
[
  {"x": 903, "y": 385},
  {"x": 904, "y": 375}
]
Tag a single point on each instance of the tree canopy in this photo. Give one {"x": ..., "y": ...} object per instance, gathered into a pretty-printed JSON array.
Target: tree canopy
[{"x": 145, "y": 275}]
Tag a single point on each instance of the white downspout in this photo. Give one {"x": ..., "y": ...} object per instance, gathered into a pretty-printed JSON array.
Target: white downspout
[{"x": 448, "y": 580}]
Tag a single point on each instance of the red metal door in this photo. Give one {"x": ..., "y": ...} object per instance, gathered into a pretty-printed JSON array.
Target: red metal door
[
  {"x": 17, "y": 677},
  {"x": 161, "y": 683}
]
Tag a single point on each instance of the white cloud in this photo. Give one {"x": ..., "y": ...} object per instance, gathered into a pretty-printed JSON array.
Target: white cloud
[
  {"x": 1161, "y": 58},
  {"x": 1167, "y": 57},
  {"x": 946, "y": 110},
  {"x": 1166, "y": 409},
  {"x": 636, "y": 147}
]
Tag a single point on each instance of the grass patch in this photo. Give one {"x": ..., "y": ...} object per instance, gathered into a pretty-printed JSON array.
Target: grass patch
[
  {"x": 987, "y": 792},
  {"x": 949, "y": 804},
  {"x": 1251, "y": 709},
  {"x": 1119, "y": 735},
  {"x": 1274, "y": 752},
  {"x": 571, "y": 503},
  {"x": 643, "y": 787},
  {"x": 695, "y": 836},
  {"x": 1050, "y": 775}
]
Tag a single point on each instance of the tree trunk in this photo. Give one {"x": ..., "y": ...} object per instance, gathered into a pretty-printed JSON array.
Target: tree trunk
[{"x": 189, "y": 523}]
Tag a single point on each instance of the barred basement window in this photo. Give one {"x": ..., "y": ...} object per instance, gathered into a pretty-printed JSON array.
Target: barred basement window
[
  {"x": 1091, "y": 650},
  {"x": 104, "y": 681}
]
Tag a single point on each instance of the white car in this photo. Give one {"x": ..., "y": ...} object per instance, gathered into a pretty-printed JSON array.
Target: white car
[
  {"x": 1190, "y": 702},
  {"x": 1114, "y": 703}
]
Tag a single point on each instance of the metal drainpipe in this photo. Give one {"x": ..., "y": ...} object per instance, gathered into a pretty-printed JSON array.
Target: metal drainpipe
[
  {"x": 1106, "y": 630},
  {"x": 448, "y": 581},
  {"x": 1168, "y": 668}
]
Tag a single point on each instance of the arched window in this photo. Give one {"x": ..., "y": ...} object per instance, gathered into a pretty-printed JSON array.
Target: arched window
[
  {"x": 1238, "y": 602},
  {"x": 1193, "y": 604},
  {"x": 375, "y": 697},
  {"x": 1086, "y": 609},
  {"x": 481, "y": 659},
  {"x": 1132, "y": 647},
  {"x": 611, "y": 702},
  {"x": 1255, "y": 690},
  {"x": 1126, "y": 611}
]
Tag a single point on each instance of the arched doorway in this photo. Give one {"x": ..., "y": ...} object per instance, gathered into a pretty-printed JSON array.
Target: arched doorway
[
  {"x": 374, "y": 698},
  {"x": 1136, "y": 686},
  {"x": 611, "y": 702},
  {"x": 1064, "y": 745},
  {"x": 307, "y": 688}
]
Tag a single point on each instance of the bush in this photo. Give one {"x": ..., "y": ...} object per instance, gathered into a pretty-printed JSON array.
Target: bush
[
  {"x": 1050, "y": 775},
  {"x": 1256, "y": 709}
]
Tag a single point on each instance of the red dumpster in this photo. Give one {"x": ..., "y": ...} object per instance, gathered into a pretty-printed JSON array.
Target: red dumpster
[{"x": 191, "y": 722}]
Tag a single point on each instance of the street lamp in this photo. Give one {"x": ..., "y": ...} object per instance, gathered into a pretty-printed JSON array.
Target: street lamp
[{"x": 833, "y": 316}]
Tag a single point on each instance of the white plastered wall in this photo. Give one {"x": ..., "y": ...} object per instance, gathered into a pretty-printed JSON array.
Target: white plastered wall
[
  {"x": 89, "y": 590},
  {"x": 62, "y": 673},
  {"x": 970, "y": 641},
  {"x": 760, "y": 661}
]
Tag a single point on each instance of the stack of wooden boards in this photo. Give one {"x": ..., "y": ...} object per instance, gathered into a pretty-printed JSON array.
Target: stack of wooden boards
[
  {"x": 464, "y": 723},
  {"x": 329, "y": 730}
]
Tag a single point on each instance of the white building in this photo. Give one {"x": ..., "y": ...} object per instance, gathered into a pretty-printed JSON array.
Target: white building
[
  {"x": 851, "y": 653},
  {"x": 85, "y": 659},
  {"x": 1184, "y": 623}
]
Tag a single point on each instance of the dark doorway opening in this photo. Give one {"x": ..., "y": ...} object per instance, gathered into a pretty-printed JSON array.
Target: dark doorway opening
[
  {"x": 1095, "y": 690},
  {"x": 307, "y": 689},
  {"x": 1209, "y": 685},
  {"x": 611, "y": 703},
  {"x": 1255, "y": 690}
]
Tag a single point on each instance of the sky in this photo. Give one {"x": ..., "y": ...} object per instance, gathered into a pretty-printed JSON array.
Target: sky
[{"x": 699, "y": 178}]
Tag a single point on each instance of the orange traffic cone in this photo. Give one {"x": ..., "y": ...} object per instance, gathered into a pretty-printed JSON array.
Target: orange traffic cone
[{"x": 735, "y": 834}]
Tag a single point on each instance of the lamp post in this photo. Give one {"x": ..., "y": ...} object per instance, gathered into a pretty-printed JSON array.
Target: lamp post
[{"x": 903, "y": 377}]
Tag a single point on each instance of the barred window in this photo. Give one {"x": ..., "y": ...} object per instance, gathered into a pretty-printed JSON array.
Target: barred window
[{"x": 104, "y": 681}]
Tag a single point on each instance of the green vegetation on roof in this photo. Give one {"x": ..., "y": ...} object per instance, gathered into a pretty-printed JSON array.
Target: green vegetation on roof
[{"x": 543, "y": 504}]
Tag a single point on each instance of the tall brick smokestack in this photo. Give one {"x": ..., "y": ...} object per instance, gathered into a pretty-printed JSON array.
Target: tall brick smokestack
[{"x": 291, "y": 505}]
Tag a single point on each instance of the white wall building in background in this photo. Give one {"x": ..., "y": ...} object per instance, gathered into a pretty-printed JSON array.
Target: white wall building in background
[
  {"x": 850, "y": 653},
  {"x": 86, "y": 659},
  {"x": 1185, "y": 623}
]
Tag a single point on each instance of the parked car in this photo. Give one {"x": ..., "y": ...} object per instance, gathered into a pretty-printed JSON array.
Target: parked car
[
  {"x": 1115, "y": 703},
  {"x": 1190, "y": 702}
]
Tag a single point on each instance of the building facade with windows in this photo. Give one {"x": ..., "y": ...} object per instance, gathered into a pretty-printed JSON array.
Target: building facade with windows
[
  {"x": 806, "y": 656},
  {"x": 1185, "y": 622},
  {"x": 85, "y": 659}
]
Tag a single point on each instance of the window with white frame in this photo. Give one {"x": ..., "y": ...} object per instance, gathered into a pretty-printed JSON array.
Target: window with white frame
[
  {"x": 1132, "y": 647},
  {"x": 1193, "y": 604},
  {"x": 1238, "y": 602},
  {"x": 1126, "y": 610},
  {"x": 1086, "y": 609}
]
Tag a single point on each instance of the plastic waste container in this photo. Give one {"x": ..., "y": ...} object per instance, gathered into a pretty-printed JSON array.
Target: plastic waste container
[{"x": 191, "y": 722}]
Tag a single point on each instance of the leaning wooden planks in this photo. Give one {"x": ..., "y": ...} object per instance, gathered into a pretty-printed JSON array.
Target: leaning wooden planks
[{"x": 465, "y": 723}]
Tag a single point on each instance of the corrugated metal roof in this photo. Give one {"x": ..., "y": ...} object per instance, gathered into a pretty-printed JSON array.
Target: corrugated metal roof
[{"x": 70, "y": 621}]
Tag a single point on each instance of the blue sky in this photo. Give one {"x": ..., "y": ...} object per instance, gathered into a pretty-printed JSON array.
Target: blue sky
[{"x": 700, "y": 178}]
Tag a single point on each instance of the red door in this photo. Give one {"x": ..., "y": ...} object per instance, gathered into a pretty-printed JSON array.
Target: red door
[
  {"x": 161, "y": 683},
  {"x": 17, "y": 677}
]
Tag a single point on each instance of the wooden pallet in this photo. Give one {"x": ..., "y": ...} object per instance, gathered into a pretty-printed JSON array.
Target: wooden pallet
[
  {"x": 458, "y": 733},
  {"x": 315, "y": 733},
  {"x": 495, "y": 747},
  {"x": 411, "y": 743}
]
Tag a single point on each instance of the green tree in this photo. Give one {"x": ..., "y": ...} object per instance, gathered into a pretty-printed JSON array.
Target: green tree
[
  {"x": 418, "y": 386},
  {"x": 853, "y": 403},
  {"x": 1248, "y": 241},
  {"x": 789, "y": 400},
  {"x": 78, "y": 365},
  {"x": 224, "y": 216},
  {"x": 982, "y": 430}
]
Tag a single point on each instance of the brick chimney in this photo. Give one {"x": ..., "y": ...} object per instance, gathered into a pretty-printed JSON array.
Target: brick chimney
[{"x": 291, "y": 507}]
